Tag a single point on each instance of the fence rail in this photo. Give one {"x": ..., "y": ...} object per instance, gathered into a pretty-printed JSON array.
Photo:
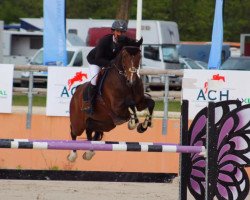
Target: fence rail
[
  {"x": 35, "y": 91},
  {"x": 157, "y": 95},
  {"x": 38, "y": 68}
]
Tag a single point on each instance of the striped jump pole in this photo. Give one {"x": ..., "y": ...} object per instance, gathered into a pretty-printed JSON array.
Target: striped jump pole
[
  {"x": 91, "y": 142},
  {"x": 55, "y": 145}
]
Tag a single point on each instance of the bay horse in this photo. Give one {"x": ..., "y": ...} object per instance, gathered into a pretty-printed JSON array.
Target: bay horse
[{"x": 121, "y": 94}]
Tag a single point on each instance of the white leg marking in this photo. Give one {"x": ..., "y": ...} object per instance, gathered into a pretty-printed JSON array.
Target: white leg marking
[{"x": 72, "y": 156}]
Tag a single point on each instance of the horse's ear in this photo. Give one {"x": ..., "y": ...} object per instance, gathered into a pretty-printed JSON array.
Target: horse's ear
[{"x": 139, "y": 42}]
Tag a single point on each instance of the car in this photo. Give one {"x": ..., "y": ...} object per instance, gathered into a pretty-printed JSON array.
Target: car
[
  {"x": 237, "y": 63},
  {"x": 165, "y": 57},
  {"x": 158, "y": 82},
  {"x": 175, "y": 82},
  {"x": 76, "y": 58},
  {"x": 188, "y": 63}
]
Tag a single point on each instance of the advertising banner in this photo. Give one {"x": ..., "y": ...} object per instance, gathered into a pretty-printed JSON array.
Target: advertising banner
[
  {"x": 217, "y": 37},
  {"x": 202, "y": 86},
  {"x": 54, "y": 33},
  {"x": 6, "y": 86},
  {"x": 62, "y": 82}
]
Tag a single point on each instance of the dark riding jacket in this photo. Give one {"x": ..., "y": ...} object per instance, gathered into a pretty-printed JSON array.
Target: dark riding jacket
[{"x": 106, "y": 50}]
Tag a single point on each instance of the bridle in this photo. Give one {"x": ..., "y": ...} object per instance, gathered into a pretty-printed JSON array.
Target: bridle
[{"x": 133, "y": 70}]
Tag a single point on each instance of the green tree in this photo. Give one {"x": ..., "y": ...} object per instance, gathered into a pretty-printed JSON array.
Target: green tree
[
  {"x": 11, "y": 11},
  {"x": 123, "y": 9},
  {"x": 84, "y": 9},
  {"x": 194, "y": 17}
]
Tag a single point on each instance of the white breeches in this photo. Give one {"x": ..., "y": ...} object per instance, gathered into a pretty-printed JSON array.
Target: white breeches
[{"x": 94, "y": 70}]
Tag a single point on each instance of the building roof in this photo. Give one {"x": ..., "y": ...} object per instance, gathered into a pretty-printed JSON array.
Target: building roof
[{"x": 32, "y": 24}]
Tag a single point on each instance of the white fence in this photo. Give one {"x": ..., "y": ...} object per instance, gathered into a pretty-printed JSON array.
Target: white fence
[{"x": 156, "y": 95}]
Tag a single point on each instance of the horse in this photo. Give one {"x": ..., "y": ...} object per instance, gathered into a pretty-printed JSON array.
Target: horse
[{"x": 121, "y": 94}]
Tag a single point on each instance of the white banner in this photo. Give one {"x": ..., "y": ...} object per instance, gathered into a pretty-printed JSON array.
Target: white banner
[
  {"x": 202, "y": 86},
  {"x": 6, "y": 86},
  {"x": 62, "y": 82}
]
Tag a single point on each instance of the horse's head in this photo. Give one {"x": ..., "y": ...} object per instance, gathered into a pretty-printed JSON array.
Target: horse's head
[{"x": 131, "y": 57}]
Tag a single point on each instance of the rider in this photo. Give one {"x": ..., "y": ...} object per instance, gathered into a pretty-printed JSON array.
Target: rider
[{"x": 102, "y": 55}]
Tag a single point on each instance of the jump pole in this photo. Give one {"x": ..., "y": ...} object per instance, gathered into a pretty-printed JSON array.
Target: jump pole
[
  {"x": 101, "y": 147},
  {"x": 91, "y": 142}
]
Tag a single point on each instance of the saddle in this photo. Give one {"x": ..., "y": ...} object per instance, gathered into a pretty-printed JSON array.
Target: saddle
[
  {"x": 100, "y": 80},
  {"x": 91, "y": 92}
]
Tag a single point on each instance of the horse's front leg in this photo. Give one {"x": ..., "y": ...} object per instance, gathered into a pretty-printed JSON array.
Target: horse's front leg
[
  {"x": 133, "y": 118},
  {"x": 88, "y": 155},
  {"x": 73, "y": 155},
  {"x": 149, "y": 104}
]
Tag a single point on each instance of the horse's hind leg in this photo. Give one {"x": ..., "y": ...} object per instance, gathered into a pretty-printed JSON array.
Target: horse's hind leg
[
  {"x": 73, "y": 155},
  {"x": 133, "y": 118},
  {"x": 88, "y": 155},
  {"x": 149, "y": 104},
  {"x": 98, "y": 136}
]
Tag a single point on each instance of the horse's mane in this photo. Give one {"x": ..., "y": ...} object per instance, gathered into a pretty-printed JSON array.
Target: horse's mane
[{"x": 132, "y": 50}]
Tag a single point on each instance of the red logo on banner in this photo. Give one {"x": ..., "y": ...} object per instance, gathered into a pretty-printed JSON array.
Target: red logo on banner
[
  {"x": 215, "y": 77},
  {"x": 77, "y": 78}
]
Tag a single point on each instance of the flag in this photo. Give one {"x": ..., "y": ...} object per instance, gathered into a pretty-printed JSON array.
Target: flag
[
  {"x": 217, "y": 37},
  {"x": 54, "y": 33}
]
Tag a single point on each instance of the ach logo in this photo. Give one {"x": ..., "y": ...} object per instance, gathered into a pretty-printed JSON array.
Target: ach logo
[
  {"x": 78, "y": 77},
  {"x": 215, "y": 77}
]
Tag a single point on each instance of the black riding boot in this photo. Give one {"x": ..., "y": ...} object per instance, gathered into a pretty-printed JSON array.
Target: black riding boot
[{"x": 89, "y": 101}]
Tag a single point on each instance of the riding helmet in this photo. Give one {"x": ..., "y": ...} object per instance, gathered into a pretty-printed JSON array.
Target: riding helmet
[{"x": 120, "y": 25}]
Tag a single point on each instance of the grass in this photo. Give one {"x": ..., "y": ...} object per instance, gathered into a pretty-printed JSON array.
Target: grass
[
  {"x": 22, "y": 100},
  {"x": 56, "y": 168},
  {"x": 173, "y": 106}
]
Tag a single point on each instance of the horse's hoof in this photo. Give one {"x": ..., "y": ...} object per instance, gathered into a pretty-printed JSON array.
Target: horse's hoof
[
  {"x": 131, "y": 125},
  {"x": 140, "y": 128},
  {"x": 72, "y": 156},
  {"x": 150, "y": 124},
  {"x": 88, "y": 155}
]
